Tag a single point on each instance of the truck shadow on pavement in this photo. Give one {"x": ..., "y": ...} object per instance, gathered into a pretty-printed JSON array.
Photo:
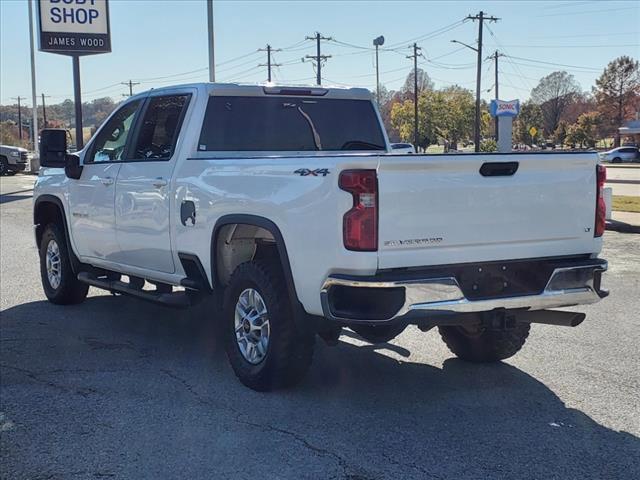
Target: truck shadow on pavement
[{"x": 359, "y": 414}]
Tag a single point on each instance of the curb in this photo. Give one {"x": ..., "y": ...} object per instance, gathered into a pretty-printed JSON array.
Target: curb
[{"x": 621, "y": 227}]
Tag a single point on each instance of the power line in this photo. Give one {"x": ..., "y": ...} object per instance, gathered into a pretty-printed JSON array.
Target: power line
[
  {"x": 553, "y": 63},
  {"x": 432, "y": 34},
  {"x": 585, "y": 12},
  {"x": 572, "y": 46}
]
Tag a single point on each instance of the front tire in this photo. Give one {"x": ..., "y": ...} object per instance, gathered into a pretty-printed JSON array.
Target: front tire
[
  {"x": 616, "y": 160},
  {"x": 480, "y": 344},
  {"x": 58, "y": 279},
  {"x": 265, "y": 346}
]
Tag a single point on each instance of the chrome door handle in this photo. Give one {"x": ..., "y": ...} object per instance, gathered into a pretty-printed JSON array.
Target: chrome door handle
[
  {"x": 159, "y": 182},
  {"x": 106, "y": 181}
]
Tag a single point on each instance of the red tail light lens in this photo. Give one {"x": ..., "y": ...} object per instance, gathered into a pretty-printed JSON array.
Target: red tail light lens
[
  {"x": 601, "y": 209},
  {"x": 360, "y": 224}
]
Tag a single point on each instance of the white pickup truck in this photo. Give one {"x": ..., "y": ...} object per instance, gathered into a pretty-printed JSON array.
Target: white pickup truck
[{"x": 288, "y": 201}]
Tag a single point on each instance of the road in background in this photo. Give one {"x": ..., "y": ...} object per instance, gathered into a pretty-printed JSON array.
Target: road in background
[{"x": 118, "y": 388}]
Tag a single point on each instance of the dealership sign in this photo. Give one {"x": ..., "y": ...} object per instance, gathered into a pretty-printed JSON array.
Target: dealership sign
[
  {"x": 74, "y": 27},
  {"x": 505, "y": 108}
]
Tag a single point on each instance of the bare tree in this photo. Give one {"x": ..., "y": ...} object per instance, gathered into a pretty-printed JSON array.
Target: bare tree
[
  {"x": 554, "y": 93},
  {"x": 424, "y": 83},
  {"x": 617, "y": 92}
]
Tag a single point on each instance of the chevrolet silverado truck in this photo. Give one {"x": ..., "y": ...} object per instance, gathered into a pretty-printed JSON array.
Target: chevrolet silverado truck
[
  {"x": 13, "y": 160},
  {"x": 288, "y": 204}
]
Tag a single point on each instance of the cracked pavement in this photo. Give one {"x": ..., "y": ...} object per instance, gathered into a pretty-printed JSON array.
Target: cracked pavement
[{"x": 118, "y": 388}]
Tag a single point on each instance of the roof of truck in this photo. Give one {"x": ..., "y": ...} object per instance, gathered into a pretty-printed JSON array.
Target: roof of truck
[{"x": 255, "y": 90}]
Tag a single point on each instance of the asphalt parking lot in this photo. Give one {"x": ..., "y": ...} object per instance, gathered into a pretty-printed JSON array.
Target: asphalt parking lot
[{"x": 118, "y": 388}]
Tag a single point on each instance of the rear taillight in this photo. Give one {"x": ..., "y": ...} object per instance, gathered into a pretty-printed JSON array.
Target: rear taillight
[
  {"x": 360, "y": 224},
  {"x": 601, "y": 209}
]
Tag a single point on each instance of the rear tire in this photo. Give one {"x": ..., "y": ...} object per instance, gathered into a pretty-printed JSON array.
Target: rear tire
[
  {"x": 59, "y": 282},
  {"x": 265, "y": 346},
  {"x": 484, "y": 345}
]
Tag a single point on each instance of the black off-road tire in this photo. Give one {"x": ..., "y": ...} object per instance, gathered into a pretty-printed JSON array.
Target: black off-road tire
[
  {"x": 289, "y": 351},
  {"x": 483, "y": 344},
  {"x": 70, "y": 291}
]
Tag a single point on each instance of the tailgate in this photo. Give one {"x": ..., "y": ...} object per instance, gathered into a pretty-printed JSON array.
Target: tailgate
[{"x": 439, "y": 209}]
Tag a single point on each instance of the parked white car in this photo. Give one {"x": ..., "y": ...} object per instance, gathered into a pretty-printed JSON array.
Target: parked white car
[
  {"x": 403, "y": 148},
  {"x": 287, "y": 202},
  {"x": 621, "y": 154}
]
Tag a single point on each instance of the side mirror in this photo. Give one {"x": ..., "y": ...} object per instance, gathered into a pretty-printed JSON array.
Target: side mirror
[{"x": 53, "y": 147}]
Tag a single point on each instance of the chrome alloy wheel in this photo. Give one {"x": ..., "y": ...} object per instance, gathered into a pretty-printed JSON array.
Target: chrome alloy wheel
[
  {"x": 252, "y": 326},
  {"x": 54, "y": 272}
]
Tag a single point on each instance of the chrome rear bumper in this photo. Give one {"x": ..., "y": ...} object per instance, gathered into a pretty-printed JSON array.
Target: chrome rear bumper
[{"x": 575, "y": 285}]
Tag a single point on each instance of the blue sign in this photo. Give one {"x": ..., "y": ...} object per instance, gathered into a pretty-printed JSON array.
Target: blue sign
[{"x": 504, "y": 108}]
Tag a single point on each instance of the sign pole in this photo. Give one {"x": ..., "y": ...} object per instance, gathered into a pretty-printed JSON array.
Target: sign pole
[
  {"x": 77, "y": 100},
  {"x": 34, "y": 125},
  {"x": 211, "y": 38}
]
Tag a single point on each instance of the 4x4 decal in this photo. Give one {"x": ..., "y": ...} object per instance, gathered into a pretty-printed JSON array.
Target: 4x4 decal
[{"x": 305, "y": 172}]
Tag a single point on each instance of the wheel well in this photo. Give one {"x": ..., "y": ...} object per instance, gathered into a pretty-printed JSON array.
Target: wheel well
[
  {"x": 46, "y": 212},
  {"x": 237, "y": 243}
]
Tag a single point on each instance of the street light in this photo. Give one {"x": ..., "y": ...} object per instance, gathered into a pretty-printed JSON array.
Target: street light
[
  {"x": 378, "y": 42},
  {"x": 476, "y": 136},
  {"x": 468, "y": 46}
]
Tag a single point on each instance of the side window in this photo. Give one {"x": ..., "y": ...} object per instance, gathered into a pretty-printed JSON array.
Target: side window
[
  {"x": 112, "y": 139},
  {"x": 160, "y": 126}
]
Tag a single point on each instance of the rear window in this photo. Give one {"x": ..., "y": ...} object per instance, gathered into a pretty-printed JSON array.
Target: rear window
[{"x": 289, "y": 124}]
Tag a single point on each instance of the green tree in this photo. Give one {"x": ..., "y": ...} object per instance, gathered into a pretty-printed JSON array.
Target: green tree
[
  {"x": 452, "y": 114},
  {"x": 402, "y": 119},
  {"x": 585, "y": 131},
  {"x": 560, "y": 134},
  {"x": 530, "y": 116},
  {"x": 554, "y": 93},
  {"x": 617, "y": 92}
]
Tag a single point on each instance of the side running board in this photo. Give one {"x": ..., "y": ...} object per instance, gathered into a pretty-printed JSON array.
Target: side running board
[{"x": 173, "y": 299}]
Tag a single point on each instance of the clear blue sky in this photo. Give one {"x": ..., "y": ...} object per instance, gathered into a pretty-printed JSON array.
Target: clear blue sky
[{"x": 153, "y": 39}]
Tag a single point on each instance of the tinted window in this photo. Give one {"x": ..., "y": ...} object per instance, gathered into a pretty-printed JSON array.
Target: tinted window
[
  {"x": 110, "y": 142},
  {"x": 628, "y": 150},
  {"x": 159, "y": 129},
  {"x": 289, "y": 124}
]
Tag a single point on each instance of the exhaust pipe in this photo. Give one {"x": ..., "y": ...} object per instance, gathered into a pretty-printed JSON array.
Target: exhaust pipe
[{"x": 552, "y": 317}]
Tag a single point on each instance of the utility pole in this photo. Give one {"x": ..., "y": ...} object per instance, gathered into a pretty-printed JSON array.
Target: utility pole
[
  {"x": 415, "y": 55},
  {"x": 18, "y": 98},
  {"x": 481, "y": 17},
  {"x": 378, "y": 42},
  {"x": 318, "y": 58},
  {"x": 495, "y": 57},
  {"x": 44, "y": 111},
  {"x": 211, "y": 42},
  {"x": 130, "y": 84},
  {"x": 269, "y": 64}
]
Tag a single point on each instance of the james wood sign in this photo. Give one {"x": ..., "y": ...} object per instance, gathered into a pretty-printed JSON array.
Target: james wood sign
[{"x": 74, "y": 27}]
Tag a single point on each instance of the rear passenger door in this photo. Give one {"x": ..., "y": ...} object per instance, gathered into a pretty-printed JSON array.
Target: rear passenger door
[{"x": 143, "y": 188}]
